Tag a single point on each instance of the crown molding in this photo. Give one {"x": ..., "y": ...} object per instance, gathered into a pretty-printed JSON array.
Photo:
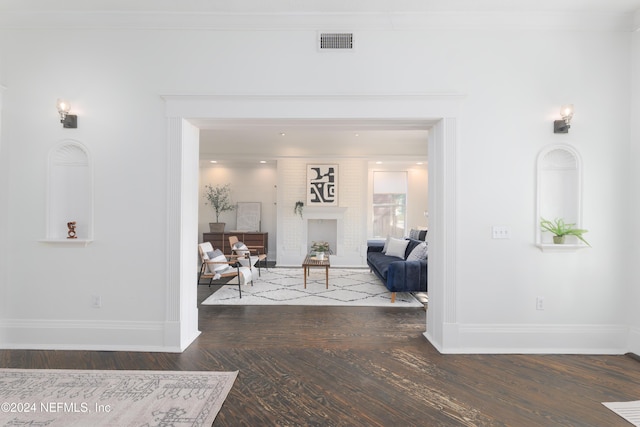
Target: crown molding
[
  {"x": 437, "y": 20},
  {"x": 301, "y": 106},
  {"x": 193, "y": 96}
]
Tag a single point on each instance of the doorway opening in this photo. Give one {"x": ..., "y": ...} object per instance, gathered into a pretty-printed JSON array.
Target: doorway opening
[{"x": 439, "y": 114}]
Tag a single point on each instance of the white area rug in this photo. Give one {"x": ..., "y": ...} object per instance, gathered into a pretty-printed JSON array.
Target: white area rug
[
  {"x": 285, "y": 286},
  {"x": 60, "y": 397},
  {"x": 630, "y": 411}
]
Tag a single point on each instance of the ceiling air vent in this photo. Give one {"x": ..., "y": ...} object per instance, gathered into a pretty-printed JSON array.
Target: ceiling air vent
[{"x": 336, "y": 41}]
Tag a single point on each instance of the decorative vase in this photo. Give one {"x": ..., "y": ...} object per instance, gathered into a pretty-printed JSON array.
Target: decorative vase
[
  {"x": 558, "y": 240},
  {"x": 216, "y": 227}
]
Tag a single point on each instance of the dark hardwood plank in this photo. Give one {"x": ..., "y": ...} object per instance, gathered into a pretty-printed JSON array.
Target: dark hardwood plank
[{"x": 360, "y": 366}]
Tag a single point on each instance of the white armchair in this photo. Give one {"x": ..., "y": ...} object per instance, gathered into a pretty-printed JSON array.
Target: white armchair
[
  {"x": 218, "y": 266},
  {"x": 249, "y": 256}
]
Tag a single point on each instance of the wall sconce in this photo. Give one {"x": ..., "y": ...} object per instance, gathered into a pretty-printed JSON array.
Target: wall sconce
[
  {"x": 69, "y": 121},
  {"x": 562, "y": 126}
]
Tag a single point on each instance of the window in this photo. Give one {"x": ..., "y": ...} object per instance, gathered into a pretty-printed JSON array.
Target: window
[{"x": 389, "y": 204}]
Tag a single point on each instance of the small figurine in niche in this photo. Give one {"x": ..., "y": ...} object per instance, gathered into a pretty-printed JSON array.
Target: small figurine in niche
[{"x": 71, "y": 234}]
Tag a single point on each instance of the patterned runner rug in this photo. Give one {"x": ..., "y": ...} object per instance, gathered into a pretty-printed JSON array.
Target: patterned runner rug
[
  {"x": 630, "y": 411},
  {"x": 61, "y": 397},
  {"x": 285, "y": 286}
]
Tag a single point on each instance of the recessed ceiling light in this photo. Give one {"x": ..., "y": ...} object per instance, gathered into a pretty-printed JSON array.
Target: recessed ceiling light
[
  {"x": 282, "y": 134},
  {"x": 263, "y": 161},
  {"x": 419, "y": 163},
  {"x": 378, "y": 162},
  {"x": 213, "y": 161},
  {"x": 357, "y": 134}
]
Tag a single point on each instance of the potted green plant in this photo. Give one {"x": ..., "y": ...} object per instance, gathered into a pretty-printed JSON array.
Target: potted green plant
[
  {"x": 219, "y": 197},
  {"x": 561, "y": 229},
  {"x": 298, "y": 208},
  {"x": 320, "y": 249}
]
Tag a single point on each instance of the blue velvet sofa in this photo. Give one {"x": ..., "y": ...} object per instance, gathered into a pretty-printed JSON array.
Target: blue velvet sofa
[{"x": 398, "y": 274}]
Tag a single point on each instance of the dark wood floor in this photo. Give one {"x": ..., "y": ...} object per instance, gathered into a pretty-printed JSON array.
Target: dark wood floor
[{"x": 318, "y": 366}]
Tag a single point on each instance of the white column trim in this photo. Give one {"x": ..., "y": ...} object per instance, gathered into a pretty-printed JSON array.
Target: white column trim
[
  {"x": 174, "y": 179},
  {"x": 181, "y": 313},
  {"x": 442, "y": 237},
  {"x": 450, "y": 207}
]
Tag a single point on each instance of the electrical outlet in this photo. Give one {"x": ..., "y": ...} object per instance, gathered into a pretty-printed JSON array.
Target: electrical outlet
[
  {"x": 96, "y": 301},
  {"x": 540, "y": 303}
]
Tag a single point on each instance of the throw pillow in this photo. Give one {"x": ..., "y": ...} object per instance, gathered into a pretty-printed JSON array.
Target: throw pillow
[
  {"x": 386, "y": 245},
  {"x": 218, "y": 256},
  {"x": 418, "y": 253},
  {"x": 241, "y": 249},
  {"x": 414, "y": 234},
  {"x": 210, "y": 254},
  {"x": 397, "y": 247}
]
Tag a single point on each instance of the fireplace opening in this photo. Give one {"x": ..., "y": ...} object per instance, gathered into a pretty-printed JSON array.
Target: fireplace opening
[{"x": 323, "y": 230}]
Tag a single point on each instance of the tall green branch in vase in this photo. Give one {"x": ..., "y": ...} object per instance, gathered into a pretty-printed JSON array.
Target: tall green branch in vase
[{"x": 219, "y": 197}]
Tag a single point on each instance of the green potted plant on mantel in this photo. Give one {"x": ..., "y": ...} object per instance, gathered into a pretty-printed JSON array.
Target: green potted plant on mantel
[
  {"x": 219, "y": 197},
  {"x": 561, "y": 229}
]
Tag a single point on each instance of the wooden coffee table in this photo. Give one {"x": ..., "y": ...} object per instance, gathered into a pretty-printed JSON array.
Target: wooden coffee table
[{"x": 312, "y": 261}]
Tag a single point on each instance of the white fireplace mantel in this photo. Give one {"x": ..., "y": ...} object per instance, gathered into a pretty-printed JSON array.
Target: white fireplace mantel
[{"x": 330, "y": 212}]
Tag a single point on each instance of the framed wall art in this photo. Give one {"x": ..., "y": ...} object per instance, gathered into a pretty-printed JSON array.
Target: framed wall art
[
  {"x": 248, "y": 216},
  {"x": 322, "y": 185}
]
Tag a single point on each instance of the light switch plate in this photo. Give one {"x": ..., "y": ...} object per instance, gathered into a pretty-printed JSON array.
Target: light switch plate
[{"x": 500, "y": 232}]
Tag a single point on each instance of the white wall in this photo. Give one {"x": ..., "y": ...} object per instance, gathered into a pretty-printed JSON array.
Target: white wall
[
  {"x": 633, "y": 249},
  {"x": 49, "y": 302},
  {"x": 292, "y": 175},
  {"x": 248, "y": 184},
  {"x": 500, "y": 142},
  {"x": 4, "y": 211},
  {"x": 514, "y": 83}
]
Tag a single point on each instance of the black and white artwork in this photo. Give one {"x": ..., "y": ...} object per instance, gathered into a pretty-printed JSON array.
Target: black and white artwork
[{"x": 322, "y": 185}]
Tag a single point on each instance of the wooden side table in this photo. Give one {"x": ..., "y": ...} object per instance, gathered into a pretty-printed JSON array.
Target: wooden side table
[{"x": 312, "y": 261}]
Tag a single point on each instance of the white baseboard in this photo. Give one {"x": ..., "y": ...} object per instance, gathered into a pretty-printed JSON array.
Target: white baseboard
[
  {"x": 634, "y": 341},
  {"x": 533, "y": 339},
  {"x": 35, "y": 334}
]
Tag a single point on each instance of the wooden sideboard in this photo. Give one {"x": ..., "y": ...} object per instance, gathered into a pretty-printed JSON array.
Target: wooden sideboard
[{"x": 249, "y": 238}]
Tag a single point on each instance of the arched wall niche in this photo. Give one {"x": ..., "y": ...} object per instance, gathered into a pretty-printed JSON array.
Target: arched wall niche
[
  {"x": 559, "y": 193},
  {"x": 69, "y": 193}
]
